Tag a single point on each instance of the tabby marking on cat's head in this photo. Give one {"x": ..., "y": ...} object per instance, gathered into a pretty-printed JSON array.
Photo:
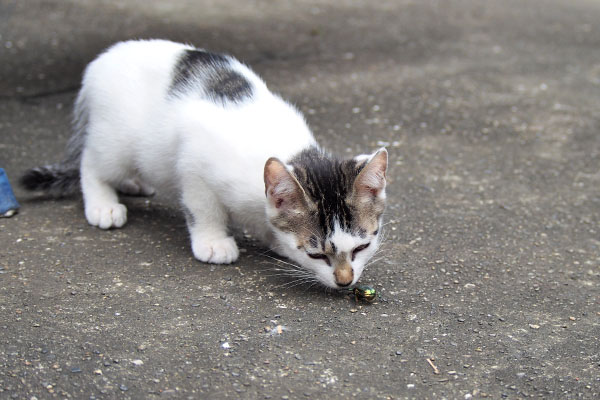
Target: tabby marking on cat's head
[{"x": 326, "y": 213}]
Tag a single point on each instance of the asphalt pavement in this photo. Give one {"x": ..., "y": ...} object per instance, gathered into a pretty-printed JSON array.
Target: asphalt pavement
[{"x": 489, "y": 277}]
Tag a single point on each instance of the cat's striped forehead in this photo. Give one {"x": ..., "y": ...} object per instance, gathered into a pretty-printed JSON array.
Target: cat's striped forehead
[{"x": 327, "y": 181}]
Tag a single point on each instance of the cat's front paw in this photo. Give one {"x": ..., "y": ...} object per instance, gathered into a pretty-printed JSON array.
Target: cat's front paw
[
  {"x": 216, "y": 251},
  {"x": 107, "y": 216}
]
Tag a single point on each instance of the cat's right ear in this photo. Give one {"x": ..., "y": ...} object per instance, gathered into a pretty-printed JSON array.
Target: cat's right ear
[
  {"x": 370, "y": 182},
  {"x": 283, "y": 190}
]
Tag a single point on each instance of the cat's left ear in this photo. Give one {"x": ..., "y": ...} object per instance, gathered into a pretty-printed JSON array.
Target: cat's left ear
[{"x": 370, "y": 182}]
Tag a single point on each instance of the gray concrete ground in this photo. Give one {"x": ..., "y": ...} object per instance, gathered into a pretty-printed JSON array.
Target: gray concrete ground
[{"x": 491, "y": 267}]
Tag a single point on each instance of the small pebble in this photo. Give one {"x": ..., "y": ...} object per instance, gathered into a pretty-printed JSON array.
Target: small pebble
[{"x": 123, "y": 388}]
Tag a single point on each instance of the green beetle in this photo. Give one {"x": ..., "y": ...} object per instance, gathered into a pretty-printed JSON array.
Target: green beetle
[{"x": 364, "y": 292}]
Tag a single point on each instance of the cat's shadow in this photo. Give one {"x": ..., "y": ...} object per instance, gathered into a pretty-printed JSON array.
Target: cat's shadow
[{"x": 165, "y": 225}]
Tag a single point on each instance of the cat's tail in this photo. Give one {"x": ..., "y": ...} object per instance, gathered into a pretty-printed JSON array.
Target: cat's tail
[{"x": 63, "y": 178}]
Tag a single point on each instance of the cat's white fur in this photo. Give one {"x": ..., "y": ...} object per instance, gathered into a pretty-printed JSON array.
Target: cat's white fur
[{"x": 208, "y": 156}]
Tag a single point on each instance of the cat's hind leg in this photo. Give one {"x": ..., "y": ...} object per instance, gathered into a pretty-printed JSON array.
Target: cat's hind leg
[
  {"x": 135, "y": 187},
  {"x": 102, "y": 207},
  {"x": 207, "y": 222}
]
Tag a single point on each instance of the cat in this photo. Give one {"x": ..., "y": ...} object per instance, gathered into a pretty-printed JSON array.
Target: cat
[{"x": 201, "y": 127}]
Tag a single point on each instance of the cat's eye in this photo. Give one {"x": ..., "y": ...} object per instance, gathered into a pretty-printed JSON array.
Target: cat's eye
[
  {"x": 319, "y": 256},
  {"x": 359, "y": 249}
]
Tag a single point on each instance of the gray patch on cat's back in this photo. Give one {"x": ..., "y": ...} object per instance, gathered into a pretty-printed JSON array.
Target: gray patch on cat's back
[
  {"x": 211, "y": 75},
  {"x": 229, "y": 85}
]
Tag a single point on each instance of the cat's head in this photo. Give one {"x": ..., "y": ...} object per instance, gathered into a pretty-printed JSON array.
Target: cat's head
[{"x": 326, "y": 213}]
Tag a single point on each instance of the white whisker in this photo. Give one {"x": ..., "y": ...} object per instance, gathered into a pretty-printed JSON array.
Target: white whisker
[
  {"x": 283, "y": 269},
  {"x": 283, "y": 262},
  {"x": 295, "y": 282},
  {"x": 374, "y": 261}
]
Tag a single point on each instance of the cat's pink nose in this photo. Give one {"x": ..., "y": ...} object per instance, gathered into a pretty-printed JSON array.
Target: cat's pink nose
[{"x": 343, "y": 274}]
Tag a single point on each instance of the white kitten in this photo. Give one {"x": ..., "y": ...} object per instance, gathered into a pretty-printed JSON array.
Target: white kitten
[{"x": 202, "y": 128}]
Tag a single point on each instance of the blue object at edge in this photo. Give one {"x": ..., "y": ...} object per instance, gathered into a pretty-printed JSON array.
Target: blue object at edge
[{"x": 7, "y": 197}]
